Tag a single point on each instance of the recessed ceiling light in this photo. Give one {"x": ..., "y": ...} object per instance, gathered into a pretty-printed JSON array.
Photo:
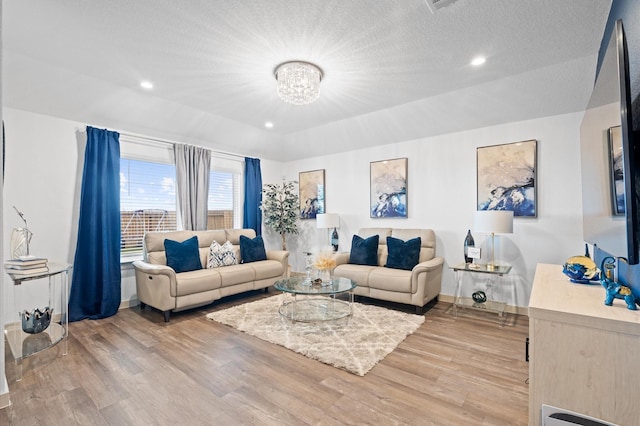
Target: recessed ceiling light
[
  {"x": 478, "y": 61},
  {"x": 268, "y": 125},
  {"x": 146, "y": 85}
]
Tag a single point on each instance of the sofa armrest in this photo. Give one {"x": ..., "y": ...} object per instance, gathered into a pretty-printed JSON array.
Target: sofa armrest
[
  {"x": 429, "y": 265},
  {"x": 341, "y": 258},
  {"x": 154, "y": 269},
  {"x": 146, "y": 272},
  {"x": 428, "y": 275},
  {"x": 281, "y": 256}
]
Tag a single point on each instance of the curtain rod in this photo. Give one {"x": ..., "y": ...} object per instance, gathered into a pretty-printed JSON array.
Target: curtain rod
[
  {"x": 157, "y": 141},
  {"x": 166, "y": 142}
]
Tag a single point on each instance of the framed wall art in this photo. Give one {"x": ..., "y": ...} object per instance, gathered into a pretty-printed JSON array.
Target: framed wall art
[
  {"x": 388, "y": 188},
  {"x": 617, "y": 177},
  {"x": 311, "y": 187},
  {"x": 507, "y": 177}
]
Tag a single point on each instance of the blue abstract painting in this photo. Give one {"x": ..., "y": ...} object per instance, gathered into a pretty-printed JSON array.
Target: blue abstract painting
[
  {"x": 507, "y": 178},
  {"x": 388, "y": 196},
  {"x": 311, "y": 193},
  {"x": 617, "y": 175}
]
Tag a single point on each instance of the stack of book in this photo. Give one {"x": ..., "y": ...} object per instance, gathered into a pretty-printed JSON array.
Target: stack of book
[{"x": 26, "y": 265}]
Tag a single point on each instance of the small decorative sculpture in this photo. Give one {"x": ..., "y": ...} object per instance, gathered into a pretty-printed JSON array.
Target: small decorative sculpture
[
  {"x": 581, "y": 269},
  {"x": 614, "y": 289},
  {"x": 479, "y": 296},
  {"x": 20, "y": 238},
  {"x": 308, "y": 266}
]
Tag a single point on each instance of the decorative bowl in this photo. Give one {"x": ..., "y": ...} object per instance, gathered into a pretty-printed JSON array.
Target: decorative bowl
[
  {"x": 581, "y": 269},
  {"x": 37, "y": 320}
]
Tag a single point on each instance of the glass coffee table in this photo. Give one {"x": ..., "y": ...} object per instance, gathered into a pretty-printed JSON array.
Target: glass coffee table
[{"x": 306, "y": 302}]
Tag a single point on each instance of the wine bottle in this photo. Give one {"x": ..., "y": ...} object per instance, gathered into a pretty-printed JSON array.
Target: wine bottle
[{"x": 468, "y": 242}]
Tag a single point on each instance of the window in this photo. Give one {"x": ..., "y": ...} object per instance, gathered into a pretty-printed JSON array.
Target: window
[
  {"x": 225, "y": 192},
  {"x": 147, "y": 201},
  {"x": 148, "y": 191},
  {"x": 220, "y": 203}
]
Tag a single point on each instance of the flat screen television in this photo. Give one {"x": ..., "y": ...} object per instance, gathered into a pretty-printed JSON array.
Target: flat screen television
[{"x": 609, "y": 158}]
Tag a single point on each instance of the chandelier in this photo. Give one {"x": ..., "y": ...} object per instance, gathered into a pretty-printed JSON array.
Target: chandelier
[{"x": 298, "y": 82}]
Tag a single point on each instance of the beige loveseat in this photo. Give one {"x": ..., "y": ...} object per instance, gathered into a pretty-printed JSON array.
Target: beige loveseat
[
  {"x": 161, "y": 287},
  {"x": 415, "y": 287}
]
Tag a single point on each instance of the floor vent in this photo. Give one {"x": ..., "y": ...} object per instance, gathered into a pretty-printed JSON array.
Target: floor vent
[{"x": 554, "y": 416}]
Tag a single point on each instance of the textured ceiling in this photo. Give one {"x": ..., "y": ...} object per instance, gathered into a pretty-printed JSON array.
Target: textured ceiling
[{"x": 212, "y": 65}]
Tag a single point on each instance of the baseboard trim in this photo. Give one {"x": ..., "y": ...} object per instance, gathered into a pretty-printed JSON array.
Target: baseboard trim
[
  {"x": 124, "y": 304},
  {"x": 4, "y": 397},
  {"x": 518, "y": 310}
]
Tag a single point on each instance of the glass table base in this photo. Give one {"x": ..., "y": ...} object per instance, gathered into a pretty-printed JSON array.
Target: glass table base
[
  {"x": 313, "y": 309},
  {"x": 488, "y": 306}
]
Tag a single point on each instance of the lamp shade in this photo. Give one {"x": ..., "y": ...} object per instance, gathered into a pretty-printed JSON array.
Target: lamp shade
[
  {"x": 327, "y": 220},
  {"x": 493, "y": 221}
]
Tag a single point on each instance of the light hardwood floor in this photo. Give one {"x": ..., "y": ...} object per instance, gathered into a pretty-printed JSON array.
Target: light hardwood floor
[{"x": 133, "y": 368}]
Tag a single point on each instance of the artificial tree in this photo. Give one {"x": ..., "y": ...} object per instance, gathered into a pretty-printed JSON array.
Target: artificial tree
[{"x": 280, "y": 208}]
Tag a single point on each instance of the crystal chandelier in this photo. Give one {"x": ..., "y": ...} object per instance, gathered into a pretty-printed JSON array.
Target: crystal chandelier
[{"x": 298, "y": 82}]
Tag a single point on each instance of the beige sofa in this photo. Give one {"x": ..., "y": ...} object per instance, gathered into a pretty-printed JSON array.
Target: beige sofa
[
  {"x": 161, "y": 287},
  {"x": 416, "y": 287}
]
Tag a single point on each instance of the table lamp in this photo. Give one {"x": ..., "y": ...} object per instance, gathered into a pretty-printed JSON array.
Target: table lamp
[
  {"x": 493, "y": 222},
  {"x": 329, "y": 220}
]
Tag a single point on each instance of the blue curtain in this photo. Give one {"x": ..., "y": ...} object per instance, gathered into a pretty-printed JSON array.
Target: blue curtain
[
  {"x": 95, "y": 284},
  {"x": 252, "y": 195}
]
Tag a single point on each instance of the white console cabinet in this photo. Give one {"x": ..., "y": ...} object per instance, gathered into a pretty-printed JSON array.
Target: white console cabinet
[{"x": 584, "y": 356}]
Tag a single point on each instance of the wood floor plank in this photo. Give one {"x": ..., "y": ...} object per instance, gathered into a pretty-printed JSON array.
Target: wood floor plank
[{"x": 134, "y": 368}]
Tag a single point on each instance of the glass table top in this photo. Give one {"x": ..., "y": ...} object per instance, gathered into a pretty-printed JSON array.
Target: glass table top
[
  {"x": 52, "y": 269},
  {"x": 472, "y": 267},
  {"x": 299, "y": 285}
]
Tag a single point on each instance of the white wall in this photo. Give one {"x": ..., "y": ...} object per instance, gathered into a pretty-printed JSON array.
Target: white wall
[
  {"x": 442, "y": 196},
  {"x": 4, "y": 388},
  {"x": 43, "y": 175}
]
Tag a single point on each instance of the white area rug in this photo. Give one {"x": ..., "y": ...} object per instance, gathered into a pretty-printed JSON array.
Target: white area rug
[{"x": 355, "y": 344}]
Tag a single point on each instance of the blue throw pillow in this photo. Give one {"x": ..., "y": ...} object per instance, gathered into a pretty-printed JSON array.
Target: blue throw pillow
[
  {"x": 252, "y": 250},
  {"x": 184, "y": 256},
  {"x": 364, "y": 251},
  {"x": 403, "y": 254}
]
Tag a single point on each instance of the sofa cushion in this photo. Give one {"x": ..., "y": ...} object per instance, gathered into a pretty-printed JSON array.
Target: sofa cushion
[
  {"x": 359, "y": 274},
  {"x": 184, "y": 256},
  {"x": 197, "y": 282},
  {"x": 221, "y": 255},
  {"x": 427, "y": 237},
  {"x": 233, "y": 235},
  {"x": 237, "y": 274},
  {"x": 364, "y": 251},
  {"x": 403, "y": 254},
  {"x": 252, "y": 249},
  {"x": 391, "y": 279},
  {"x": 268, "y": 269}
]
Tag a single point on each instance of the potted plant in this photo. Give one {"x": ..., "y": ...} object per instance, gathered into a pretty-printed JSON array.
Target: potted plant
[{"x": 280, "y": 208}]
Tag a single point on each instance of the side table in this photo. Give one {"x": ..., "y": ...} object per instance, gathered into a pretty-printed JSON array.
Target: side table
[
  {"x": 480, "y": 271},
  {"x": 23, "y": 344}
]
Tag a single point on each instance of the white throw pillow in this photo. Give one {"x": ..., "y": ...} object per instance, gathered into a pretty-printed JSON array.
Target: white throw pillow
[{"x": 221, "y": 255}]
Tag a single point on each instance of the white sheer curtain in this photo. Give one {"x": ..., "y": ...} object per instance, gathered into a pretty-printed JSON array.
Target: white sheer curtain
[{"x": 192, "y": 185}]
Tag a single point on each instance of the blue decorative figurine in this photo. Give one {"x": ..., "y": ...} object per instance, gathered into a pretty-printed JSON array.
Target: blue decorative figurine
[
  {"x": 581, "y": 269},
  {"x": 614, "y": 289}
]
